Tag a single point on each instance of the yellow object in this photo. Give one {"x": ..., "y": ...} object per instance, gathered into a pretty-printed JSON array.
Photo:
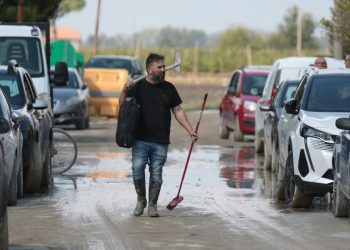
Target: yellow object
[{"x": 105, "y": 87}]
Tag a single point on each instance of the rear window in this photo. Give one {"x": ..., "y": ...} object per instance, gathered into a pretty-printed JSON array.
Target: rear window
[
  {"x": 254, "y": 84},
  {"x": 109, "y": 63},
  {"x": 26, "y": 51},
  {"x": 329, "y": 94},
  {"x": 288, "y": 74}
]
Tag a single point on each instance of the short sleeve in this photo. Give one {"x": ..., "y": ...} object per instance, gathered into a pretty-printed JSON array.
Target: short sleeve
[{"x": 176, "y": 98}]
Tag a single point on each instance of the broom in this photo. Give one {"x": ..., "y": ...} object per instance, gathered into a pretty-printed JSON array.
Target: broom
[{"x": 179, "y": 198}]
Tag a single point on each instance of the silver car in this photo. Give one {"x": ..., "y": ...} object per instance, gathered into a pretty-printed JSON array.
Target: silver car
[{"x": 71, "y": 102}]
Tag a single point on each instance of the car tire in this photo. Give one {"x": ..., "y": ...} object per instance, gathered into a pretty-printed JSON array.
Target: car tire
[
  {"x": 47, "y": 179},
  {"x": 279, "y": 189},
  {"x": 33, "y": 170},
  {"x": 80, "y": 124},
  {"x": 224, "y": 132},
  {"x": 20, "y": 181},
  {"x": 293, "y": 194},
  {"x": 258, "y": 144},
  {"x": 274, "y": 157},
  {"x": 12, "y": 193},
  {"x": 237, "y": 132},
  {"x": 267, "y": 159},
  {"x": 4, "y": 233},
  {"x": 340, "y": 202}
]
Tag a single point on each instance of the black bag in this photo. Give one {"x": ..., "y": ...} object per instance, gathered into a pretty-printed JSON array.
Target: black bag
[{"x": 128, "y": 120}]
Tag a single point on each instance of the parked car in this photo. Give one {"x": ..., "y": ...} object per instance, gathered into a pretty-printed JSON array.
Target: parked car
[
  {"x": 36, "y": 125},
  {"x": 307, "y": 134},
  {"x": 237, "y": 107},
  {"x": 284, "y": 92},
  {"x": 341, "y": 161},
  {"x": 10, "y": 162},
  {"x": 71, "y": 102},
  {"x": 290, "y": 68},
  {"x": 131, "y": 64}
]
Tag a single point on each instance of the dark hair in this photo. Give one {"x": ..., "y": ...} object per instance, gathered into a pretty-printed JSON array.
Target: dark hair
[{"x": 152, "y": 57}]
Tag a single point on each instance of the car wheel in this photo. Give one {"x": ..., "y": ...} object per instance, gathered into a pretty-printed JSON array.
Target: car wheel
[
  {"x": 340, "y": 202},
  {"x": 33, "y": 170},
  {"x": 12, "y": 193},
  {"x": 237, "y": 132},
  {"x": 224, "y": 132},
  {"x": 279, "y": 189},
  {"x": 87, "y": 122},
  {"x": 80, "y": 124},
  {"x": 4, "y": 233},
  {"x": 20, "y": 181},
  {"x": 46, "y": 179},
  {"x": 258, "y": 144},
  {"x": 274, "y": 157},
  {"x": 267, "y": 159}
]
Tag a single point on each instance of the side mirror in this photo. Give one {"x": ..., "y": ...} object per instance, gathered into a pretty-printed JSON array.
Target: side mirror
[
  {"x": 61, "y": 74},
  {"x": 4, "y": 125},
  {"x": 40, "y": 104},
  {"x": 343, "y": 123},
  {"x": 16, "y": 116},
  {"x": 266, "y": 107},
  {"x": 290, "y": 107},
  {"x": 84, "y": 87}
]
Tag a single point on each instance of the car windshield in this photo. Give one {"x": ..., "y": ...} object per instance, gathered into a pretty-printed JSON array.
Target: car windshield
[
  {"x": 72, "y": 81},
  {"x": 109, "y": 63},
  {"x": 13, "y": 90},
  {"x": 25, "y": 50},
  {"x": 254, "y": 84},
  {"x": 329, "y": 94}
]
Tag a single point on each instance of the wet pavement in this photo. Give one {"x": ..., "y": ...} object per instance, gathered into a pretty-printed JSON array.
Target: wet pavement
[{"x": 227, "y": 202}]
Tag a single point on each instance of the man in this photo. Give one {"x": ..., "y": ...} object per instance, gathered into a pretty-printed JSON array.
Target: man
[
  {"x": 347, "y": 61},
  {"x": 320, "y": 62},
  {"x": 157, "y": 98}
]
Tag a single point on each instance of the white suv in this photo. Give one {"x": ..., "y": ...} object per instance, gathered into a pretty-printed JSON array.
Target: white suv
[
  {"x": 290, "y": 68},
  {"x": 307, "y": 133}
]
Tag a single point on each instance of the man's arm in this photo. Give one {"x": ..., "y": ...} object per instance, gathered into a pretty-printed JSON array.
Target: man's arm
[
  {"x": 127, "y": 86},
  {"x": 181, "y": 117}
]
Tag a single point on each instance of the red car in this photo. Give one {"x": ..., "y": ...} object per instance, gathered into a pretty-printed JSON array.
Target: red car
[{"x": 237, "y": 108}]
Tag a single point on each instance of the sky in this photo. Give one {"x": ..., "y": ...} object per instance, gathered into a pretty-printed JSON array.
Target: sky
[{"x": 129, "y": 16}]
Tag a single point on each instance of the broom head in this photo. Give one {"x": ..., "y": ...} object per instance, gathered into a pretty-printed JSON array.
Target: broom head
[{"x": 174, "y": 202}]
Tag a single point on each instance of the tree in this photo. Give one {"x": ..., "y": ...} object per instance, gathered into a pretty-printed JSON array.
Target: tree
[
  {"x": 240, "y": 37},
  {"x": 286, "y": 35},
  {"x": 338, "y": 28},
  {"x": 65, "y": 7},
  {"x": 34, "y": 10}
]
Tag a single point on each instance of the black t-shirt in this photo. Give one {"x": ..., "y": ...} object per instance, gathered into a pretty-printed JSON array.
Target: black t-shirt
[{"x": 156, "y": 101}]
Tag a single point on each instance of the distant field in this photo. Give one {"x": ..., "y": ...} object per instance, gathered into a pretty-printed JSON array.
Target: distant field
[{"x": 192, "y": 88}]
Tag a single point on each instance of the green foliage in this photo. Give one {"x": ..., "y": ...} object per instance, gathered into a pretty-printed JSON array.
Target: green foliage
[
  {"x": 67, "y": 6},
  {"x": 34, "y": 10},
  {"x": 339, "y": 27},
  {"x": 286, "y": 35},
  {"x": 209, "y": 59}
]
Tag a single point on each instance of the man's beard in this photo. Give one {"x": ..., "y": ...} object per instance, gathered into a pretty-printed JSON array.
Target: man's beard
[{"x": 159, "y": 78}]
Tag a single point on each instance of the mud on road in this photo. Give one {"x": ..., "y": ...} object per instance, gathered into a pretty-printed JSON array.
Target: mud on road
[{"x": 227, "y": 201}]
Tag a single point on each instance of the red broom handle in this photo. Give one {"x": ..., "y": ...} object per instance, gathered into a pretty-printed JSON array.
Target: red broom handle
[{"x": 189, "y": 153}]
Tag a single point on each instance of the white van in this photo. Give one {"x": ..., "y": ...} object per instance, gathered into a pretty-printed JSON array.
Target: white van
[{"x": 290, "y": 68}]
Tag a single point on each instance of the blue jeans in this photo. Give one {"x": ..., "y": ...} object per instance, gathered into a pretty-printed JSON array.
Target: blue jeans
[{"x": 150, "y": 153}]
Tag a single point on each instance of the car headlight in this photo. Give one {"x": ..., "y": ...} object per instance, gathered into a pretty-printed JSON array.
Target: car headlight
[
  {"x": 251, "y": 106},
  {"x": 306, "y": 131}
]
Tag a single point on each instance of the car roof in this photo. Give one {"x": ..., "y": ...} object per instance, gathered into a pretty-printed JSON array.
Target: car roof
[
  {"x": 316, "y": 71},
  {"x": 297, "y": 62},
  {"x": 115, "y": 57}
]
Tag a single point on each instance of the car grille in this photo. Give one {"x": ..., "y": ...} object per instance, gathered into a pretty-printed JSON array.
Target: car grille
[{"x": 318, "y": 144}]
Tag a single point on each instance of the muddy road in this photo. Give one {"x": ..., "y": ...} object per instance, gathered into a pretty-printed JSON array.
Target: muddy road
[{"x": 227, "y": 201}]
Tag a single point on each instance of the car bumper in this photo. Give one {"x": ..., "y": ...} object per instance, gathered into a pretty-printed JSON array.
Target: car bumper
[{"x": 313, "y": 188}]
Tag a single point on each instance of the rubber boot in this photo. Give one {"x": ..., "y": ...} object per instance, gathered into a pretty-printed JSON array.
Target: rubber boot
[
  {"x": 141, "y": 196},
  {"x": 154, "y": 190}
]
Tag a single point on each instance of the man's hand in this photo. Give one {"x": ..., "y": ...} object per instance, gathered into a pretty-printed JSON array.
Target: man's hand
[{"x": 194, "y": 136}]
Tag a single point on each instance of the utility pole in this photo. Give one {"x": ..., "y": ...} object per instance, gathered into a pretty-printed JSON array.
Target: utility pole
[
  {"x": 20, "y": 11},
  {"x": 299, "y": 33},
  {"x": 96, "y": 27}
]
